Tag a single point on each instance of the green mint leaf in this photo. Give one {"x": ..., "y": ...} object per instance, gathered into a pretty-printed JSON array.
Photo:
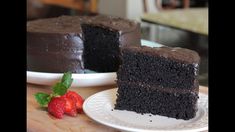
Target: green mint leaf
[
  {"x": 59, "y": 89},
  {"x": 42, "y": 98},
  {"x": 67, "y": 79}
]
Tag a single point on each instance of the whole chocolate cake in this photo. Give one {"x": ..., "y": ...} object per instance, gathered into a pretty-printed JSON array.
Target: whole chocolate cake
[
  {"x": 159, "y": 81},
  {"x": 76, "y": 43}
]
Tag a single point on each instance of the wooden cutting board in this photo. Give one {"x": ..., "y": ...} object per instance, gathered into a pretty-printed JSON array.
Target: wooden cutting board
[{"x": 38, "y": 120}]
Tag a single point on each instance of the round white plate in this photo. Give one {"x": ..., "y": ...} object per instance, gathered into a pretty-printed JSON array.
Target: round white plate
[
  {"x": 100, "y": 107},
  {"x": 80, "y": 80}
]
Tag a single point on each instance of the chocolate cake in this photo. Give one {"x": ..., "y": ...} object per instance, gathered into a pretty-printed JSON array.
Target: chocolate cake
[
  {"x": 76, "y": 43},
  {"x": 159, "y": 81}
]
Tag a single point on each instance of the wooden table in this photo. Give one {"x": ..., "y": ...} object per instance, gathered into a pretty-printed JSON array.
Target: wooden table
[
  {"x": 38, "y": 119},
  {"x": 193, "y": 19}
]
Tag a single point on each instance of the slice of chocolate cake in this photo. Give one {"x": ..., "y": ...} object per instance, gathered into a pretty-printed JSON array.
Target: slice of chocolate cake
[
  {"x": 159, "y": 81},
  {"x": 76, "y": 43}
]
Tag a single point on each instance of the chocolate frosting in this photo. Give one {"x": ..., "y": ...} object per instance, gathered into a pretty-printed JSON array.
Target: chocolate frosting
[
  {"x": 72, "y": 24},
  {"x": 113, "y": 23},
  {"x": 49, "y": 52},
  {"x": 59, "y": 25},
  {"x": 176, "y": 53}
]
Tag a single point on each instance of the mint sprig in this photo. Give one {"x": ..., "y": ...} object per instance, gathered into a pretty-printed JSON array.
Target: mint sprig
[
  {"x": 58, "y": 89},
  {"x": 67, "y": 79},
  {"x": 42, "y": 98}
]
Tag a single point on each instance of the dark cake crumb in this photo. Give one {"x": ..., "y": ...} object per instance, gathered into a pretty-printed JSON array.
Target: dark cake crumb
[
  {"x": 143, "y": 99},
  {"x": 158, "y": 82},
  {"x": 161, "y": 71},
  {"x": 150, "y": 120},
  {"x": 103, "y": 47}
]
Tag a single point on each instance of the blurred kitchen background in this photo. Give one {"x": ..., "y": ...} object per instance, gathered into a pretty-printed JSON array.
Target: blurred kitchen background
[{"x": 178, "y": 23}]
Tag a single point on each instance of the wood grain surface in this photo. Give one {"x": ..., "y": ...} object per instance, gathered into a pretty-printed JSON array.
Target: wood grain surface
[{"x": 38, "y": 120}]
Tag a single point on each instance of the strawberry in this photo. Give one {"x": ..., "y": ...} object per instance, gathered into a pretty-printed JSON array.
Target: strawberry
[
  {"x": 56, "y": 107},
  {"x": 61, "y": 101},
  {"x": 77, "y": 99},
  {"x": 70, "y": 107}
]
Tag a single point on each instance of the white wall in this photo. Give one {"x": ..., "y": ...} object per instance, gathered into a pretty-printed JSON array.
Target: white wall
[
  {"x": 131, "y": 9},
  {"x": 135, "y": 8},
  {"x": 112, "y": 7}
]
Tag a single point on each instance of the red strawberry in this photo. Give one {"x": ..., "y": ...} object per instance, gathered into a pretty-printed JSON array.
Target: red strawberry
[
  {"x": 56, "y": 107},
  {"x": 77, "y": 98},
  {"x": 70, "y": 107}
]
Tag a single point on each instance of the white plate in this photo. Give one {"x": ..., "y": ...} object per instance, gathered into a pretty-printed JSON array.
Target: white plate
[
  {"x": 80, "y": 80},
  {"x": 100, "y": 107}
]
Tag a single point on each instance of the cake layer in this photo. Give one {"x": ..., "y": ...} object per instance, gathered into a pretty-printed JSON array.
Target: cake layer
[
  {"x": 101, "y": 60},
  {"x": 57, "y": 44},
  {"x": 164, "y": 67},
  {"x": 146, "y": 99},
  {"x": 195, "y": 87}
]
